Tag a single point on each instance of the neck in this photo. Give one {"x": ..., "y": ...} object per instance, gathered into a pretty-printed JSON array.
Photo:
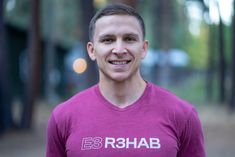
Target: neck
[{"x": 124, "y": 93}]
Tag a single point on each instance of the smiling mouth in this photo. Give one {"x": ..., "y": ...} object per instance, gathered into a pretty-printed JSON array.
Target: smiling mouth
[{"x": 120, "y": 62}]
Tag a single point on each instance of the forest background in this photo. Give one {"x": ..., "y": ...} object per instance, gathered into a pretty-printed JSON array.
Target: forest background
[{"x": 43, "y": 59}]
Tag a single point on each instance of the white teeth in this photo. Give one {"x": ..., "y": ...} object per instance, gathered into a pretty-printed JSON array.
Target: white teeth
[{"x": 119, "y": 62}]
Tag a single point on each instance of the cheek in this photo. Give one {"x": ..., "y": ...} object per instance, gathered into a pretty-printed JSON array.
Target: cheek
[
  {"x": 139, "y": 52},
  {"x": 100, "y": 59},
  {"x": 101, "y": 53}
]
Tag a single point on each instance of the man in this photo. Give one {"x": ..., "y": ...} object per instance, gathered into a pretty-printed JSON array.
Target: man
[{"x": 123, "y": 115}]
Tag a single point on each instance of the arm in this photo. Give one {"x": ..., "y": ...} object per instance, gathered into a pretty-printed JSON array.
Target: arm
[
  {"x": 55, "y": 145},
  {"x": 192, "y": 140}
]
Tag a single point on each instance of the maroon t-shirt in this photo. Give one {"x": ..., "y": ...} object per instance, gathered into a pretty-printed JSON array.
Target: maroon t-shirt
[{"x": 158, "y": 124}]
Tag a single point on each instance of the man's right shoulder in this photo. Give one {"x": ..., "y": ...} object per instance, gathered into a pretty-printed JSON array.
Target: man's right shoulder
[{"x": 76, "y": 102}]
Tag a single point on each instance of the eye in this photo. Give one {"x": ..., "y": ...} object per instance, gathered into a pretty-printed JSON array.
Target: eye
[
  {"x": 129, "y": 39},
  {"x": 107, "y": 40}
]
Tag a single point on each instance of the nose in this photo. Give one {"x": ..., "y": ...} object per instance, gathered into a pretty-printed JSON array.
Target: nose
[{"x": 119, "y": 47}]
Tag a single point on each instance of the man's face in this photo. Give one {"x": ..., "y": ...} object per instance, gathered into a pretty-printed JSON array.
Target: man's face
[{"x": 118, "y": 47}]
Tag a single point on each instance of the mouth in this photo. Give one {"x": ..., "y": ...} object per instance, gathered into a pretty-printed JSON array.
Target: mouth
[{"x": 116, "y": 62}]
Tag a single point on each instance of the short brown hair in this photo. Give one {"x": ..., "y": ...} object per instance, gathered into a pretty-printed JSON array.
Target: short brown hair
[{"x": 115, "y": 9}]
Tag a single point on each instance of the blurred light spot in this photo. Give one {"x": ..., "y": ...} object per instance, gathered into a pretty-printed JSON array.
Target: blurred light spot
[
  {"x": 214, "y": 12},
  {"x": 99, "y": 3},
  {"x": 80, "y": 65},
  {"x": 195, "y": 17},
  {"x": 225, "y": 8},
  {"x": 10, "y": 5}
]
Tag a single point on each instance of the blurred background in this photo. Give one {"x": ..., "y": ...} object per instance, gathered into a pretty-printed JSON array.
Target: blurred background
[{"x": 43, "y": 61}]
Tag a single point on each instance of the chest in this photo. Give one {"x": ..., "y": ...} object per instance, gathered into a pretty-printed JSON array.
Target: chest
[{"x": 121, "y": 136}]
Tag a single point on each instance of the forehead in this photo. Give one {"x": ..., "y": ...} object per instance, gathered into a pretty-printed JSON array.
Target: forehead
[{"x": 117, "y": 24}]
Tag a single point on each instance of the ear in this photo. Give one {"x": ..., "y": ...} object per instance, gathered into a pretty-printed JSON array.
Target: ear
[
  {"x": 90, "y": 50},
  {"x": 145, "y": 49}
]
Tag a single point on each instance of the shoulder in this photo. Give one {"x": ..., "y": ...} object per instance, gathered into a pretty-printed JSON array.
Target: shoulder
[
  {"x": 74, "y": 105},
  {"x": 66, "y": 114},
  {"x": 174, "y": 110},
  {"x": 171, "y": 104},
  {"x": 167, "y": 97}
]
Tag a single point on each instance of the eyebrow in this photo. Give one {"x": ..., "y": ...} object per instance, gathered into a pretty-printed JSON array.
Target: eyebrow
[
  {"x": 132, "y": 35},
  {"x": 106, "y": 36},
  {"x": 125, "y": 35}
]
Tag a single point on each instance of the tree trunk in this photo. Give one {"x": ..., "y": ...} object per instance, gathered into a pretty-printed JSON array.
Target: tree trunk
[
  {"x": 222, "y": 64},
  {"x": 163, "y": 22},
  {"x": 34, "y": 59},
  {"x": 211, "y": 64},
  {"x": 5, "y": 96},
  {"x": 88, "y": 11},
  {"x": 50, "y": 93},
  {"x": 232, "y": 101}
]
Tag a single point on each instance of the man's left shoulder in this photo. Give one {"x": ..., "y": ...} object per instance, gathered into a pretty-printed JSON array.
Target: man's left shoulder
[{"x": 171, "y": 102}]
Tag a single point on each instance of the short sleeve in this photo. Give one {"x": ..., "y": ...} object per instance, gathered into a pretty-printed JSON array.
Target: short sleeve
[
  {"x": 192, "y": 139},
  {"x": 55, "y": 145}
]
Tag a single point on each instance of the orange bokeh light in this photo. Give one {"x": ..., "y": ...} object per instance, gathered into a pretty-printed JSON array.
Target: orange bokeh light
[{"x": 80, "y": 65}]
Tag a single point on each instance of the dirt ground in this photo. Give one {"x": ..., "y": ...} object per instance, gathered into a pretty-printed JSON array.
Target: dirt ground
[{"x": 219, "y": 128}]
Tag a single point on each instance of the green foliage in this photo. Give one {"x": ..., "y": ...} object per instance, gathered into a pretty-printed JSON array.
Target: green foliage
[
  {"x": 68, "y": 26},
  {"x": 181, "y": 38},
  {"x": 180, "y": 32},
  {"x": 18, "y": 14},
  {"x": 228, "y": 44},
  {"x": 192, "y": 90},
  {"x": 66, "y": 13},
  {"x": 71, "y": 21},
  {"x": 197, "y": 48},
  {"x": 146, "y": 8},
  {"x": 67, "y": 20}
]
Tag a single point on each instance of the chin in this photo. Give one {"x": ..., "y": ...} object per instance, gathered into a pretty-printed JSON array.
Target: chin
[
  {"x": 117, "y": 77},
  {"x": 120, "y": 78}
]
